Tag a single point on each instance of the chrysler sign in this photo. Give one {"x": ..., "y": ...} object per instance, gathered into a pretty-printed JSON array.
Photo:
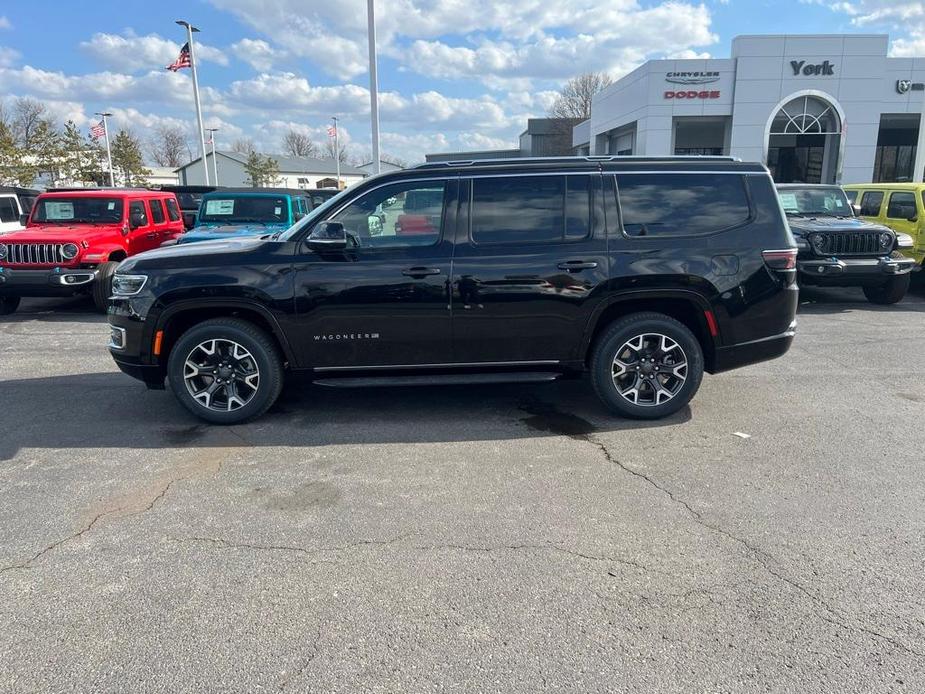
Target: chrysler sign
[{"x": 692, "y": 77}]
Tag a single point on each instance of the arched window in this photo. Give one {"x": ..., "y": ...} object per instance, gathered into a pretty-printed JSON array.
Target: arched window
[{"x": 806, "y": 115}]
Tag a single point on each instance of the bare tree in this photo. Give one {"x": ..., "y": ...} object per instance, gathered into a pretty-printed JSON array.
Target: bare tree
[
  {"x": 168, "y": 146},
  {"x": 243, "y": 145},
  {"x": 574, "y": 100},
  {"x": 28, "y": 118},
  {"x": 328, "y": 151},
  {"x": 298, "y": 144}
]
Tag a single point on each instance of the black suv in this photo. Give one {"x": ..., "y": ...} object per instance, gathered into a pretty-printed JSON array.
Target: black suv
[
  {"x": 643, "y": 272},
  {"x": 839, "y": 250}
]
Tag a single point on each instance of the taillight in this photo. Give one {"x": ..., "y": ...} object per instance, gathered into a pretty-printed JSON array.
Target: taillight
[{"x": 781, "y": 260}]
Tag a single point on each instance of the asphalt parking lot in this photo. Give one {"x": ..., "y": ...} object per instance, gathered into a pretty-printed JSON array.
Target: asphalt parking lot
[{"x": 468, "y": 539}]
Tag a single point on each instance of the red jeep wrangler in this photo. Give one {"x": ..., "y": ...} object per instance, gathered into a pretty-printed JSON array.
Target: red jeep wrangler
[{"x": 75, "y": 239}]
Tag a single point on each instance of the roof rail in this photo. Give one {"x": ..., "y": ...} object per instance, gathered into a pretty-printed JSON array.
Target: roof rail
[{"x": 587, "y": 157}]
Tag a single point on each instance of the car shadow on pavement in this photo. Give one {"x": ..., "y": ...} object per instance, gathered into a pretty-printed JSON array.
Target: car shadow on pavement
[
  {"x": 827, "y": 300},
  {"x": 108, "y": 410},
  {"x": 78, "y": 309}
]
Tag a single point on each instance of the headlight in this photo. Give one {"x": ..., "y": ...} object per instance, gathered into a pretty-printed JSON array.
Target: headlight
[
  {"x": 886, "y": 240},
  {"x": 128, "y": 285},
  {"x": 70, "y": 251},
  {"x": 817, "y": 241},
  {"x": 3, "y": 251},
  {"x": 902, "y": 241}
]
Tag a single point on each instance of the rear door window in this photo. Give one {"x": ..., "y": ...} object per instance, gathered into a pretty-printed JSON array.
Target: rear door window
[
  {"x": 530, "y": 209},
  {"x": 902, "y": 206},
  {"x": 870, "y": 203},
  {"x": 676, "y": 204},
  {"x": 173, "y": 212},
  {"x": 157, "y": 212}
]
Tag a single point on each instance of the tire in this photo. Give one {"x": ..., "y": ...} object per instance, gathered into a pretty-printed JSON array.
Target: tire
[
  {"x": 102, "y": 287},
  {"x": 254, "y": 396},
  {"x": 658, "y": 393},
  {"x": 8, "y": 305},
  {"x": 891, "y": 292}
]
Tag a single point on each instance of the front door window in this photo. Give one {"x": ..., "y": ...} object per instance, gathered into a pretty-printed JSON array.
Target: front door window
[{"x": 396, "y": 216}]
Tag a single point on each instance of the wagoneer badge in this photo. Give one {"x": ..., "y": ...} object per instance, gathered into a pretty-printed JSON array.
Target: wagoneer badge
[{"x": 346, "y": 336}]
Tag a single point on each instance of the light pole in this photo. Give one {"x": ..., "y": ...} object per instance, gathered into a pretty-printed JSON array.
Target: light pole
[
  {"x": 212, "y": 132},
  {"x": 105, "y": 115},
  {"x": 336, "y": 151},
  {"x": 192, "y": 60},
  {"x": 373, "y": 83}
]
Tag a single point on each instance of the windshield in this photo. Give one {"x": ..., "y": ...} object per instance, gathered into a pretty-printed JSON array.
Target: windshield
[
  {"x": 310, "y": 218},
  {"x": 189, "y": 201},
  {"x": 78, "y": 210},
  {"x": 815, "y": 200},
  {"x": 247, "y": 209}
]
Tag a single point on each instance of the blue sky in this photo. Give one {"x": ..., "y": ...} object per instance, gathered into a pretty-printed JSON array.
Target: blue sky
[{"x": 453, "y": 74}]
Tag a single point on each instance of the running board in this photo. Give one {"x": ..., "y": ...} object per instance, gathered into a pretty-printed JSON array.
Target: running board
[{"x": 440, "y": 380}]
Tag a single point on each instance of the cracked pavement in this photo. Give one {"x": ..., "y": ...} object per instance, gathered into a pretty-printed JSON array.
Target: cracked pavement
[{"x": 499, "y": 539}]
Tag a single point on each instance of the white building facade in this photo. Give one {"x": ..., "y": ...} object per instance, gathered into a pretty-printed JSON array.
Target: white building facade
[{"x": 817, "y": 109}]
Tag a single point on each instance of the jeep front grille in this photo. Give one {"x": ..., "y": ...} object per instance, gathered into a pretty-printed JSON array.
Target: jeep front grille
[
  {"x": 35, "y": 254},
  {"x": 858, "y": 243}
]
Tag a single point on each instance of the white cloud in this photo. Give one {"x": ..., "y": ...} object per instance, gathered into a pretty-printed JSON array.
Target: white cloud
[
  {"x": 8, "y": 56},
  {"x": 259, "y": 54},
  {"x": 5, "y": 23},
  {"x": 507, "y": 43},
  {"x": 130, "y": 52}
]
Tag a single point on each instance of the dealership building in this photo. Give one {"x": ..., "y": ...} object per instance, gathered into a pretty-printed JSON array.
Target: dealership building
[{"x": 817, "y": 109}]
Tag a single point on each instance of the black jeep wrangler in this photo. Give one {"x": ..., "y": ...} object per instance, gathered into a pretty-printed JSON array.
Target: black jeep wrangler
[
  {"x": 839, "y": 250},
  {"x": 643, "y": 273}
]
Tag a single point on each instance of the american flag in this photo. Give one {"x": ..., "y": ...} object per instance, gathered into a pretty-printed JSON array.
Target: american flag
[
  {"x": 332, "y": 131},
  {"x": 97, "y": 131},
  {"x": 183, "y": 60}
]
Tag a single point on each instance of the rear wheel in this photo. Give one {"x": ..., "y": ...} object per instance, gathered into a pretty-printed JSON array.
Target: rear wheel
[
  {"x": 102, "y": 287},
  {"x": 225, "y": 371},
  {"x": 647, "y": 366},
  {"x": 891, "y": 292},
  {"x": 8, "y": 305}
]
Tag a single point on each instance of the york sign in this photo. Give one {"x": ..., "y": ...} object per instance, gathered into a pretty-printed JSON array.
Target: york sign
[{"x": 801, "y": 68}]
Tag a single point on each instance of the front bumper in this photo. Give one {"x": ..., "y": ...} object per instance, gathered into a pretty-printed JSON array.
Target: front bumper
[
  {"x": 131, "y": 343},
  {"x": 849, "y": 271},
  {"x": 45, "y": 282}
]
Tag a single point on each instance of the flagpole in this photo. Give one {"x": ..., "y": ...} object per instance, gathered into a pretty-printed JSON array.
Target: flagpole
[
  {"x": 373, "y": 82},
  {"x": 212, "y": 132},
  {"x": 336, "y": 150},
  {"x": 192, "y": 60},
  {"x": 112, "y": 178}
]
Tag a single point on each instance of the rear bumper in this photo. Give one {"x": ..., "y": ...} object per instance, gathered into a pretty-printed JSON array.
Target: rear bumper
[
  {"x": 47, "y": 282},
  {"x": 754, "y": 351},
  {"x": 852, "y": 271}
]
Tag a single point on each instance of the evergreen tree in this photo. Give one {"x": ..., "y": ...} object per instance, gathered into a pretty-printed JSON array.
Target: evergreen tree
[
  {"x": 81, "y": 159},
  {"x": 128, "y": 161},
  {"x": 262, "y": 171}
]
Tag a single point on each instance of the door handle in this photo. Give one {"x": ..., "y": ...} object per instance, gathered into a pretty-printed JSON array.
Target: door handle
[
  {"x": 577, "y": 265},
  {"x": 419, "y": 272},
  {"x": 151, "y": 235}
]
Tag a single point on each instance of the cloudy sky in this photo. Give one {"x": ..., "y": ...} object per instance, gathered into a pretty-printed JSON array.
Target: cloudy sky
[{"x": 454, "y": 74}]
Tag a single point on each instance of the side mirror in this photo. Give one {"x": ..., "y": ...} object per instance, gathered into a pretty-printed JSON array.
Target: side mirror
[
  {"x": 136, "y": 220},
  {"x": 328, "y": 236},
  {"x": 856, "y": 209},
  {"x": 23, "y": 220},
  {"x": 189, "y": 220}
]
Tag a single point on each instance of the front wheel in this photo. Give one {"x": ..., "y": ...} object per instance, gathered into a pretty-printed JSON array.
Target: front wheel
[
  {"x": 102, "y": 287},
  {"x": 891, "y": 292},
  {"x": 8, "y": 305},
  {"x": 647, "y": 366},
  {"x": 225, "y": 371}
]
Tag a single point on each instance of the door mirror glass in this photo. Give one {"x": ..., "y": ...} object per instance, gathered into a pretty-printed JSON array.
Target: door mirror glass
[
  {"x": 23, "y": 219},
  {"x": 328, "y": 236},
  {"x": 189, "y": 219},
  {"x": 856, "y": 209},
  {"x": 137, "y": 220}
]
